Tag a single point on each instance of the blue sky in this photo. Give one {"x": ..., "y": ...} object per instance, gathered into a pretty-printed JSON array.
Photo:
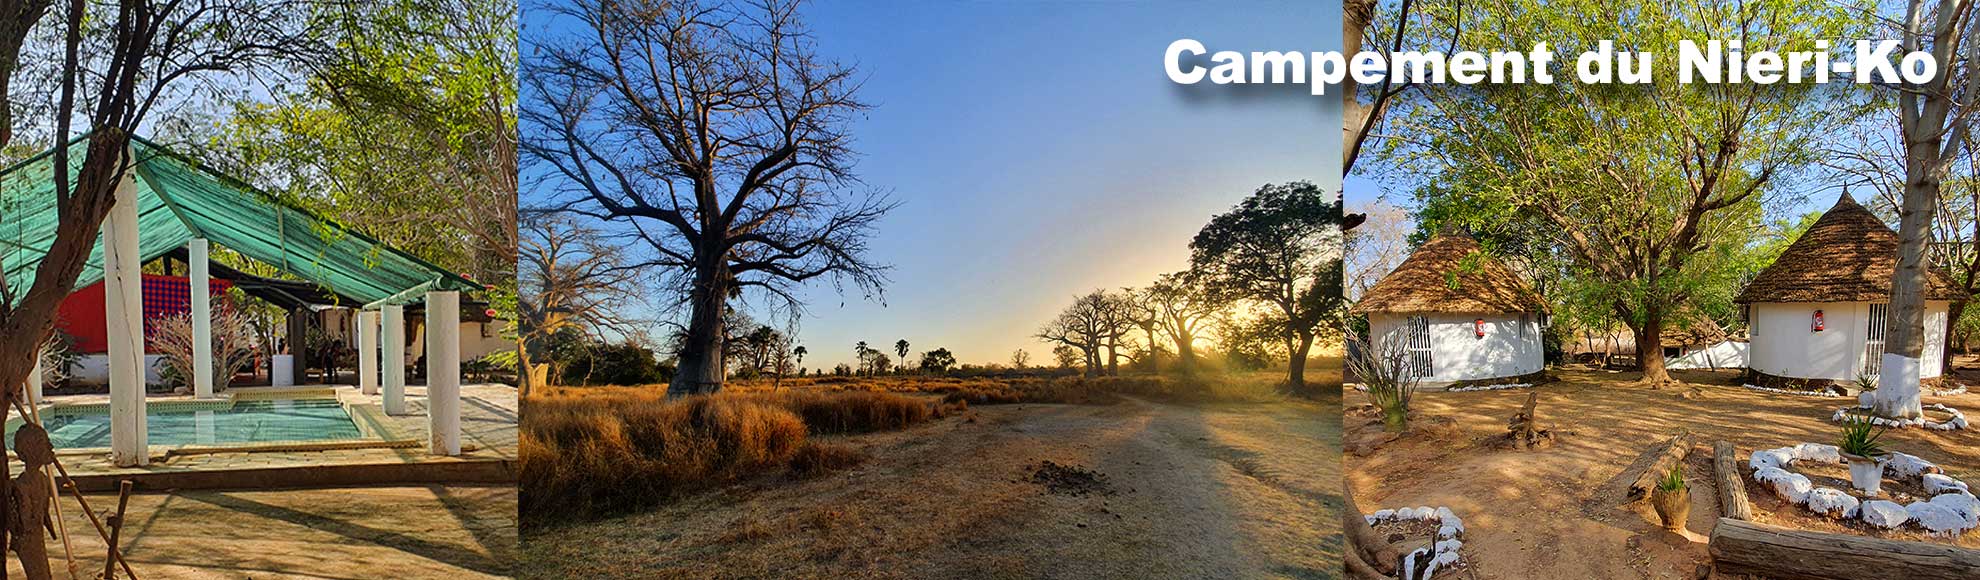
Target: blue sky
[{"x": 1040, "y": 152}]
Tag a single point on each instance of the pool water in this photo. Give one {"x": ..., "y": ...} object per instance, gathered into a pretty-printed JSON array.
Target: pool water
[{"x": 245, "y": 422}]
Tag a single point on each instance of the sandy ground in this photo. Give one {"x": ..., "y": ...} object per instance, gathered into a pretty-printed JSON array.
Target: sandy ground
[
  {"x": 450, "y": 532},
  {"x": 1248, "y": 491},
  {"x": 1559, "y": 513}
]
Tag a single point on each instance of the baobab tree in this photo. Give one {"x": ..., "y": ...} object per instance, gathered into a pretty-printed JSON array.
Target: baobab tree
[
  {"x": 1083, "y": 327},
  {"x": 1182, "y": 310},
  {"x": 570, "y": 279},
  {"x": 713, "y": 134}
]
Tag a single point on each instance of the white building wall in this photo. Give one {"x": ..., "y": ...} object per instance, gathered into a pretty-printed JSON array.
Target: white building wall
[
  {"x": 1729, "y": 354},
  {"x": 1511, "y": 345},
  {"x": 1785, "y": 344}
]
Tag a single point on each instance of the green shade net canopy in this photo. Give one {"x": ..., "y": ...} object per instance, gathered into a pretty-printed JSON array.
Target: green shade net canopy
[{"x": 180, "y": 199}]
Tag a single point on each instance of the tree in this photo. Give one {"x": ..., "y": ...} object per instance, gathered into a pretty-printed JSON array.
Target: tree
[
  {"x": 1117, "y": 319},
  {"x": 939, "y": 361},
  {"x": 901, "y": 349},
  {"x": 1019, "y": 358},
  {"x": 1143, "y": 314},
  {"x": 1183, "y": 309},
  {"x": 1642, "y": 189},
  {"x": 1066, "y": 356},
  {"x": 1280, "y": 247},
  {"x": 859, "y": 353},
  {"x": 800, "y": 351},
  {"x": 1934, "y": 121},
  {"x": 1083, "y": 326},
  {"x": 570, "y": 278},
  {"x": 1376, "y": 247},
  {"x": 714, "y": 134}
]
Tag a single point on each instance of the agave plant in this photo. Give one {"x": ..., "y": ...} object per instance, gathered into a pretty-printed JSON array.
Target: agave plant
[
  {"x": 1385, "y": 368},
  {"x": 1860, "y": 437},
  {"x": 1866, "y": 382},
  {"x": 1672, "y": 481}
]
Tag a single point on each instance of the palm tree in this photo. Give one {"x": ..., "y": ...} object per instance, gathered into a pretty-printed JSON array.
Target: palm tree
[
  {"x": 860, "y": 351},
  {"x": 901, "y": 348}
]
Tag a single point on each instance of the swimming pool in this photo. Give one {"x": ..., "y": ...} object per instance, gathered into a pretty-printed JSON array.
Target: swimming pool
[{"x": 242, "y": 421}]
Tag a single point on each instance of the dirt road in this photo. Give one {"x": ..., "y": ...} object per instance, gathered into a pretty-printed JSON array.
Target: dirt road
[{"x": 1133, "y": 490}]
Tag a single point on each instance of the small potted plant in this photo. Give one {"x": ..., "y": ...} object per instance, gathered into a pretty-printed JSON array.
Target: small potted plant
[
  {"x": 1672, "y": 499},
  {"x": 1866, "y": 389},
  {"x": 1860, "y": 447}
]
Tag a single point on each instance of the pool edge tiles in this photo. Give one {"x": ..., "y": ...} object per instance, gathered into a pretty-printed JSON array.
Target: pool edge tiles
[{"x": 350, "y": 424}]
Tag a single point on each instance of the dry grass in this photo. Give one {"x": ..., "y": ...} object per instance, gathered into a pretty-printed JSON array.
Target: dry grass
[{"x": 590, "y": 451}]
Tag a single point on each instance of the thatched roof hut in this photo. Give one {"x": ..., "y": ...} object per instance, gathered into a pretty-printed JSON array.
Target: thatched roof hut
[
  {"x": 1450, "y": 273},
  {"x": 1847, "y": 256}
]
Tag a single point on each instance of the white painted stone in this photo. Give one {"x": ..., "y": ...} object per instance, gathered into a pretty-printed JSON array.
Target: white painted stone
[
  {"x": 1907, "y": 466},
  {"x": 1819, "y": 453},
  {"x": 1774, "y": 458},
  {"x": 1884, "y": 514},
  {"x": 1963, "y": 504},
  {"x": 1936, "y": 518},
  {"x": 1793, "y": 487},
  {"x": 1831, "y": 502},
  {"x": 1938, "y": 483},
  {"x": 1449, "y": 518}
]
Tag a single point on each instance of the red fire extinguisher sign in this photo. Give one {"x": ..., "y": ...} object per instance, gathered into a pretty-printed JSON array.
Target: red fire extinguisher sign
[
  {"x": 1818, "y": 321},
  {"x": 1479, "y": 326}
]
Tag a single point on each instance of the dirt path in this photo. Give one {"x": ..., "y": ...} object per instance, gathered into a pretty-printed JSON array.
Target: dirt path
[
  {"x": 1148, "y": 490},
  {"x": 1559, "y": 513}
]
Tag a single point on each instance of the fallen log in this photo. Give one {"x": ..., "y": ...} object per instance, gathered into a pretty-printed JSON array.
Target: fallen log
[
  {"x": 1732, "y": 485},
  {"x": 1672, "y": 454},
  {"x": 1741, "y": 547}
]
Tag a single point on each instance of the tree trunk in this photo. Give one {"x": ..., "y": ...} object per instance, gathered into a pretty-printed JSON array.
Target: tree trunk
[
  {"x": 700, "y": 369},
  {"x": 1904, "y": 343},
  {"x": 1185, "y": 351},
  {"x": 1296, "y": 368},
  {"x": 1113, "y": 357},
  {"x": 1649, "y": 346}
]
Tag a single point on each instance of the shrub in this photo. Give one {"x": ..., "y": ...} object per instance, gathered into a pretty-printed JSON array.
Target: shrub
[
  {"x": 615, "y": 364},
  {"x": 592, "y": 454},
  {"x": 233, "y": 345},
  {"x": 853, "y": 412},
  {"x": 1860, "y": 438}
]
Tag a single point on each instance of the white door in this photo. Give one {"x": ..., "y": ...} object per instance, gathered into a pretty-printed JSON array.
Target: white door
[
  {"x": 1419, "y": 347},
  {"x": 1873, "y": 345}
]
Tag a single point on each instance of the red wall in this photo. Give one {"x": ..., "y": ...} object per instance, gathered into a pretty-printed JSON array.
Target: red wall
[{"x": 81, "y": 314}]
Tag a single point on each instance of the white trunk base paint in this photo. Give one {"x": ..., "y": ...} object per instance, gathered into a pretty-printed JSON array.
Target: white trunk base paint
[
  {"x": 368, "y": 352},
  {"x": 443, "y": 372},
  {"x": 124, "y": 326},
  {"x": 395, "y": 359},
  {"x": 1898, "y": 395},
  {"x": 202, "y": 319}
]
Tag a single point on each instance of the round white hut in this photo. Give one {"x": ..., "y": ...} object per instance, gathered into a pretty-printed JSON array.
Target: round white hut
[
  {"x": 1818, "y": 313},
  {"x": 1465, "y": 316}
]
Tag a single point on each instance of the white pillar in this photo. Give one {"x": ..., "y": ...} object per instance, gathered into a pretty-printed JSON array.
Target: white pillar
[
  {"x": 34, "y": 380},
  {"x": 367, "y": 321},
  {"x": 443, "y": 372},
  {"x": 123, "y": 285},
  {"x": 395, "y": 359},
  {"x": 202, "y": 319}
]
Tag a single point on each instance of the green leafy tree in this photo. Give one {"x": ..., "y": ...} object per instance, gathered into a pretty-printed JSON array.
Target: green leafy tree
[
  {"x": 938, "y": 361},
  {"x": 1648, "y": 192},
  {"x": 1279, "y": 248}
]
